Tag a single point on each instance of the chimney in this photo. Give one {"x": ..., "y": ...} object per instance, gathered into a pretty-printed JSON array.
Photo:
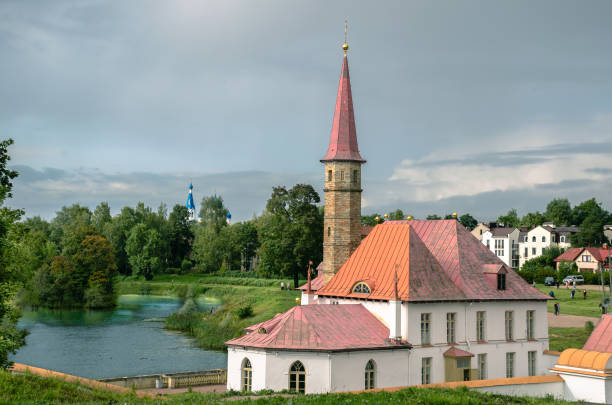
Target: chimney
[{"x": 395, "y": 327}]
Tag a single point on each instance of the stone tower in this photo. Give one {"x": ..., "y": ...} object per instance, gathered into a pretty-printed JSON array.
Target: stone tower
[{"x": 342, "y": 222}]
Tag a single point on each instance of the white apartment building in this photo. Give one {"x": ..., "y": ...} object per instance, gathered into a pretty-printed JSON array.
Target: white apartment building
[
  {"x": 504, "y": 242},
  {"x": 533, "y": 242}
]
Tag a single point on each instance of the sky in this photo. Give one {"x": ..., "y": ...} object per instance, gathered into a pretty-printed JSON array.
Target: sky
[{"x": 461, "y": 106}]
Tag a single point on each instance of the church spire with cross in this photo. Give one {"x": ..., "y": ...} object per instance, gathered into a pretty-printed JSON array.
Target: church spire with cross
[
  {"x": 342, "y": 218},
  {"x": 190, "y": 204}
]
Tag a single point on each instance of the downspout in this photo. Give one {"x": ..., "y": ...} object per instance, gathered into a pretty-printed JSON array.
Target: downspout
[{"x": 467, "y": 339}]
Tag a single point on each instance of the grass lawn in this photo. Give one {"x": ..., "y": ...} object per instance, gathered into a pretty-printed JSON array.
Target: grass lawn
[
  {"x": 576, "y": 306},
  {"x": 566, "y": 338},
  {"x": 30, "y": 389}
]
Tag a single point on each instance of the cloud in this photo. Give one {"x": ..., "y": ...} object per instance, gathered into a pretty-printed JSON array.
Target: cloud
[
  {"x": 43, "y": 192},
  {"x": 530, "y": 158}
]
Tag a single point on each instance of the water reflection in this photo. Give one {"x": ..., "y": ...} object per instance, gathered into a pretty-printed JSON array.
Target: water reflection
[{"x": 128, "y": 340}]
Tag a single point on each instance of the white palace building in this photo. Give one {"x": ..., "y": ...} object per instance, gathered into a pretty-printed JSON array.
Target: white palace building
[{"x": 414, "y": 302}]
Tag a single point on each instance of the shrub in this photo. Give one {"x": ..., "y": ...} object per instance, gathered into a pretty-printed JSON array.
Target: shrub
[
  {"x": 544, "y": 272},
  {"x": 528, "y": 276},
  {"x": 245, "y": 311},
  {"x": 588, "y": 326},
  {"x": 186, "y": 266}
]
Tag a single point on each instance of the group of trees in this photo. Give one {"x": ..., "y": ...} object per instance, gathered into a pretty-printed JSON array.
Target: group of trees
[
  {"x": 466, "y": 219},
  {"x": 11, "y": 337},
  {"x": 588, "y": 215}
]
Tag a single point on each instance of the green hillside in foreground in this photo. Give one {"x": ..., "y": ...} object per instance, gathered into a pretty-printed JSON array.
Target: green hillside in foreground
[{"x": 30, "y": 389}]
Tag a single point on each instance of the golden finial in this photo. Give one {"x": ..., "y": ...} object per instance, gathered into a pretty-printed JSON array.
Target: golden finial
[
  {"x": 345, "y": 44},
  {"x": 409, "y": 218},
  {"x": 454, "y": 215},
  {"x": 386, "y": 216},
  {"x": 377, "y": 219}
]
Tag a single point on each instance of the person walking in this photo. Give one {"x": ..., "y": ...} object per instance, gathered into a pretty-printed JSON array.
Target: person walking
[
  {"x": 556, "y": 308},
  {"x": 584, "y": 293},
  {"x": 573, "y": 293},
  {"x": 282, "y": 285}
]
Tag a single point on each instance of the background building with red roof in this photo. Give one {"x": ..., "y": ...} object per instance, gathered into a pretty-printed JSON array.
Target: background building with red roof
[{"x": 589, "y": 259}]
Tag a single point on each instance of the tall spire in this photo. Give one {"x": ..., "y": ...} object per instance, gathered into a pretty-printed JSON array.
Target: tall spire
[
  {"x": 343, "y": 139},
  {"x": 190, "y": 205}
]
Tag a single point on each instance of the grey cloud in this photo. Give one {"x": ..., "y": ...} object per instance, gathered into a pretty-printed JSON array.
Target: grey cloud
[{"x": 43, "y": 192}]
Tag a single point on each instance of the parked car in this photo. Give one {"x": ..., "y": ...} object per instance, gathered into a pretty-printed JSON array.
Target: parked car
[
  {"x": 578, "y": 278},
  {"x": 549, "y": 281}
]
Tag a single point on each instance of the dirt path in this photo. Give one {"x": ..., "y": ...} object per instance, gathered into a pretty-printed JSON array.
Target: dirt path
[{"x": 569, "y": 321}]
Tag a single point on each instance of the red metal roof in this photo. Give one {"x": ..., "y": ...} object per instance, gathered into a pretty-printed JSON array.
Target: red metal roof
[
  {"x": 320, "y": 327},
  {"x": 436, "y": 260},
  {"x": 601, "y": 337},
  {"x": 343, "y": 139},
  {"x": 455, "y": 352},
  {"x": 315, "y": 284}
]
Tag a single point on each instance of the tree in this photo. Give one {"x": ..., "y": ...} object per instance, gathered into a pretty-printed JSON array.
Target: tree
[
  {"x": 181, "y": 235},
  {"x": 532, "y": 219},
  {"x": 290, "y": 231},
  {"x": 247, "y": 241},
  {"x": 370, "y": 220},
  {"x": 589, "y": 208},
  {"x": 143, "y": 248},
  {"x": 591, "y": 232},
  {"x": 510, "y": 219},
  {"x": 11, "y": 337},
  {"x": 101, "y": 216},
  {"x": 396, "y": 215},
  {"x": 213, "y": 212},
  {"x": 559, "y": 211},
  {"x": 96, "y": 260},
  {"x": 433, "y": 217},
  {"x": 468, "y": 221}
]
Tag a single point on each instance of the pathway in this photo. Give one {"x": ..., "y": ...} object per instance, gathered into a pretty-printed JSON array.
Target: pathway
[{"x": 569, "y": 321}]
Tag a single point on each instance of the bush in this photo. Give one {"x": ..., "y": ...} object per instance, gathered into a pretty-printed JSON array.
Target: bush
[
  {"x": 588, "y": 326},
  {"x": 186, "y": 266},
  {"x": 528, "y": 276},
  {"x": 245, "y": 311},
  {"x": 544, "y": 272}
]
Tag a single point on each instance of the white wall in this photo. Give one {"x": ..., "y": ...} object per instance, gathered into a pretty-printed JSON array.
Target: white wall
[
  {"x": 496, "y": 345},
  {"x": 235, "y": 356},
  {"x": 348, "y": 369},
  {"x": 556, "y": 389}
]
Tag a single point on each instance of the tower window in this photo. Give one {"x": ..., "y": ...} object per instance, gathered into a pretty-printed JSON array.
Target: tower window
[
  {"x": 329, "y": 175},
  {"x": 341, "y": 175},
  {"x": 355, "y": 176},
  {"x": 329, "y": 231}
]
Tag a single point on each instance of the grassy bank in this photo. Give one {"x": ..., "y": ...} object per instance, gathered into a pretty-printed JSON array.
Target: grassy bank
[
  {"x": 566, "y": 338},
  {"x": 29, "y": 389},
  {"x": 576, "y": 306},
  {"x": 170, "y": 284},
  {"x": 240, "y": 307}
]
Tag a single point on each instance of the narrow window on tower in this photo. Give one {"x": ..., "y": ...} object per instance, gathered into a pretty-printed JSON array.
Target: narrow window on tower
[
  {"x": 355, "y": 176},
  {"x": 329, "y": 231},
  {"x": 341, "y": 175},
  {"x": 329, "y": 175}
]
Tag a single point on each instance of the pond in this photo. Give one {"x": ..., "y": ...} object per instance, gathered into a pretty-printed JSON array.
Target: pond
[{"x": 129, "y": 340}]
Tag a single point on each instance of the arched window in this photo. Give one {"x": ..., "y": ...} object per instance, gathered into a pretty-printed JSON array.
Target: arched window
[
  {"x": 370, "y": 375},
  {"x": 361, "y": 288},
  {"x": 247, "y": 375},
  {"x": 297, "y": 377},
  {"x": 533, "y": 239},
  {"x": 562, "y": 239}
]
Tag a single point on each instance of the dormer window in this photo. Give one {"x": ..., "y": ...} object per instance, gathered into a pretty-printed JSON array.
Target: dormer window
[
  {"x": 361, "y": 288},
  {"x": 501, "y": 281}
]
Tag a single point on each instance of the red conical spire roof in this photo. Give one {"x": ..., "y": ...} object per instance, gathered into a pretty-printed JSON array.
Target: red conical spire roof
[{"x": 343, "y": 139}]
